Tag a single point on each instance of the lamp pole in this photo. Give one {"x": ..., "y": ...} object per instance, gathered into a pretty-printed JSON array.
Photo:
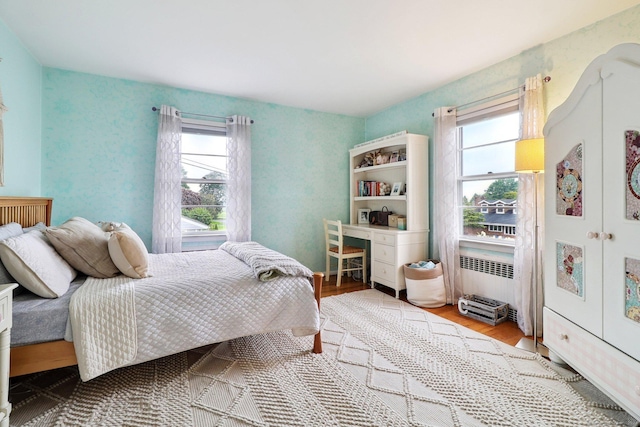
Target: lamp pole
[
  {"x": 525, "y": 343},
  {"x": 530, "y": 159}
]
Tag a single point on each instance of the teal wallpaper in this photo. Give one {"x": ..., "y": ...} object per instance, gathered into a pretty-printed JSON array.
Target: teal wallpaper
[
  {"x": 563, "y": 59},
  {"x": 20, "y": 81},
  {"x": 98, "y": 151},
  {"x": 89, "y": 141}
]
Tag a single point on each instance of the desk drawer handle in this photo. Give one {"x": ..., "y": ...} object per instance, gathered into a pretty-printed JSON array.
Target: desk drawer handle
[{"x": 563, "y": 337}]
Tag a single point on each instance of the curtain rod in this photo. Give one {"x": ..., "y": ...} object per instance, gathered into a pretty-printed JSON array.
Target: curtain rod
[
  {"x": 546, "y": 79},
  {"x": 201, "y": 115}
]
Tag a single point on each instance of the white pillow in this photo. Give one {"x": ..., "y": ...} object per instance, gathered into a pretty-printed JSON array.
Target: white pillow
[
  {"x": 36, "y": 265},
  {"x": 128, "y": 252}
]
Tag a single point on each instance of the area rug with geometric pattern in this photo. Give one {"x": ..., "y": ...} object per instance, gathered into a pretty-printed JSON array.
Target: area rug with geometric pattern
[{"x": 385, "y": 363}]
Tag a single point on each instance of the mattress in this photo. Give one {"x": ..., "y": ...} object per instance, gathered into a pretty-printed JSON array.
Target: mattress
[{"x": 37, "y": 319}]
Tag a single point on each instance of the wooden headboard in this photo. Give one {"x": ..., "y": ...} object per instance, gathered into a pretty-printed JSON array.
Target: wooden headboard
[{"x": 26, "y": 211}]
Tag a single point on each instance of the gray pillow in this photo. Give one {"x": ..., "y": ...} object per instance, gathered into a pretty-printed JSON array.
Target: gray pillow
[
  {"x": 39, "y": 226},
  {"x": 7, "y": 231},
  {"x": 10, "y": 230}
]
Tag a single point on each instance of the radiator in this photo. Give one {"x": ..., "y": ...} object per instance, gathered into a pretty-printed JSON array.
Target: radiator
[{"x": 489, "y": 278}]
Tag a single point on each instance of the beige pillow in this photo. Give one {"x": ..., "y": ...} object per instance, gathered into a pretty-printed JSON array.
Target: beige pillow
[
  {"x": 83, "y": 245},
  {"x": 35, "y": 264},
  {"x": 128, "y": 252}
]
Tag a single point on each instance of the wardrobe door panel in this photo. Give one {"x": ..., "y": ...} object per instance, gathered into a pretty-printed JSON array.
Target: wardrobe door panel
[
  {"x": 621, "y": 205},
  {"x": 573, "y": 188}
]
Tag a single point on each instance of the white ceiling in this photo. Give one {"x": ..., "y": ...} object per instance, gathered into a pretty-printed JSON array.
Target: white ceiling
[{"x": 353, "y": 57}]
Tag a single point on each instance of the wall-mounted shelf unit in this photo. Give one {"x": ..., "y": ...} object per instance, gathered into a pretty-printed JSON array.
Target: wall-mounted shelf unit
[{"x": 412, "y": 173}]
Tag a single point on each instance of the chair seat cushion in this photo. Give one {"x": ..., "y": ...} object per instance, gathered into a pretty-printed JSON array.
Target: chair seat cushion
[{"x": 347, "y": 249}]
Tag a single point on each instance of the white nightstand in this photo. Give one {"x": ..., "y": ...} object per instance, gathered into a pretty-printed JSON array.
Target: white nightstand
[{"x": 6, "y": 300}]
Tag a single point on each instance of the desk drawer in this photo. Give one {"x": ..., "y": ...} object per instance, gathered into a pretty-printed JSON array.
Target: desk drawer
[
  {"x": 387, "y": 239},
  {"x": 384, "y": 253},
  {"x": 385, "y": 272},
  {"x": 358, "y": 234},
  {"x": 5, "y": 312}
]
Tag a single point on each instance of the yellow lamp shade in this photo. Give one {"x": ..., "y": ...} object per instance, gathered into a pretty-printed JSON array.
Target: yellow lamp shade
[{"x": 530, "y": 155}]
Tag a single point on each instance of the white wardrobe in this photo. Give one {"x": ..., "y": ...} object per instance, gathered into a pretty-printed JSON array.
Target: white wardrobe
[{"x": 592, "y": 227}]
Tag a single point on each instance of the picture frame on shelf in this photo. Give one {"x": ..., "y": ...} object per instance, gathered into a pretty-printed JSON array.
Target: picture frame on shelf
[
  {"x": 394, "y": 157},
  {"x": 396, "y": 189},
  {"x": 363, "y": 216}
]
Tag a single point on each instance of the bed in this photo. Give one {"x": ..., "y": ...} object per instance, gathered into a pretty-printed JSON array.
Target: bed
[{"x": 251, "y": 305}]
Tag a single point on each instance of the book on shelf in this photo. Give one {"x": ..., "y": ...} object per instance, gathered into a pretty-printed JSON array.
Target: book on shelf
[{"x": 371, "y": 188}]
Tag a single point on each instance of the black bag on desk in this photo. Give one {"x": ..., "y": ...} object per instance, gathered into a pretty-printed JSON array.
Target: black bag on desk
[{"x": 380, "y": 217}]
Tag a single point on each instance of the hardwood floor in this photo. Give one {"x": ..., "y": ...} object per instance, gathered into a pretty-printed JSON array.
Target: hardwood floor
[{"x": 507, "y": 332}]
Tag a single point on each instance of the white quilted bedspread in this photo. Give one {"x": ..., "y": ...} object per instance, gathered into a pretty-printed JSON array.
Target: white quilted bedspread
[{"x": 192, "y": 299}]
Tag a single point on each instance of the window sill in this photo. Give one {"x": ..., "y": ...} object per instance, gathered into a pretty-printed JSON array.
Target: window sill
[
  {"x": 202, "y": 241},
  {"x": 505, "y": 246}
]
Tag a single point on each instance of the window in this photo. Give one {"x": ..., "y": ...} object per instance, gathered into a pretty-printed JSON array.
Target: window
[
  {"x": 204, "y": 176},
  {"x": 488, "y": 183}
]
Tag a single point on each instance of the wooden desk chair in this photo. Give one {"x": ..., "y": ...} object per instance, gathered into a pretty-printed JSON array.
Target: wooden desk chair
[{"x": 336, "y": 249}]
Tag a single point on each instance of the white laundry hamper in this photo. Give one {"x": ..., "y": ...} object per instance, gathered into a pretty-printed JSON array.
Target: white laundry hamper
[{"x": 425, "y": 287}]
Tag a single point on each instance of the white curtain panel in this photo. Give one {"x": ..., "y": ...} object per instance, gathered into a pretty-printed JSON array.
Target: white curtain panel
[
  {"x": 447, "y": 215},
  {"x": 239, "y": 180},
  {"x": 167, "y": 196},
  {"x": 532, "y": 123}
]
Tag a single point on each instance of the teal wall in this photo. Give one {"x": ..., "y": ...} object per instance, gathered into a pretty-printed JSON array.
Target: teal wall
[
  {"x": 98, "y": 151},
  {"x": 20, "y": 81},
  {"x": 563, "y": 59},
  {"x": 89, "y": 141}
]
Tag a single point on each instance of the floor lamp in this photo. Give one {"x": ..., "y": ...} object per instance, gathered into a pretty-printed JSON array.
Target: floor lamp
[{"x": 530, "y": 159}]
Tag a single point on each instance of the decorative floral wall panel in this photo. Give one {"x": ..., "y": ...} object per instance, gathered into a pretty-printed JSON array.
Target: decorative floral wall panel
[
  {"x": 633, "y": 174},
  {"x": 632, "y": 282},
  {"x": 569, "y": 183},
  {"x": 570, "y": 268}
]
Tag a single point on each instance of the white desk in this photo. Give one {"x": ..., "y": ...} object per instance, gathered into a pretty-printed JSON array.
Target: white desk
[{"x": 390, "y": 250}]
